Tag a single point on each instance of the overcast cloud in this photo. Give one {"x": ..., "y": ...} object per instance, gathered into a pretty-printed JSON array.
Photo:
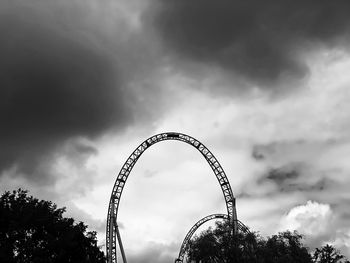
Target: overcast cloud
[
  {"x": 263, "y": 84},
  {"x": 263, "y": 41},
  {"x": 58, "y": 82}
]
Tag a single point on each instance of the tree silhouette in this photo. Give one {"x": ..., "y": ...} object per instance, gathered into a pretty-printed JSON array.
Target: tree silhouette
[
  {"x": 328, "y": 254},
  {"x": 35, "y": 231},
  {"x": 219, "y": 245},
  {"x": 285, "y": 247}
]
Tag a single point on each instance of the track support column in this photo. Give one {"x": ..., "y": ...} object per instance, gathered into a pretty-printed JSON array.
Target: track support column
[{"x": 120, "y": 243}]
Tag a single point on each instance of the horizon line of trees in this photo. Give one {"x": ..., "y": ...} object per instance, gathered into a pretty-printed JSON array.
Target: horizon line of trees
[
  {"x": 218, "y": 245},
  {"x": 35, "y": 231}
]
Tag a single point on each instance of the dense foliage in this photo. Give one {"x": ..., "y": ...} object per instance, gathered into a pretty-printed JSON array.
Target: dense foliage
[
  {"x": 218, "y": 245},
  {"x": 328, "y": 254},
  {"x": 35, "y": 231}
]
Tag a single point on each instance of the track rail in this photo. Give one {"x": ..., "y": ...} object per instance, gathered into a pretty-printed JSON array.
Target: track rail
[
  {"x": 240, "y": 226},
  {"x": 111, "y": 239}
]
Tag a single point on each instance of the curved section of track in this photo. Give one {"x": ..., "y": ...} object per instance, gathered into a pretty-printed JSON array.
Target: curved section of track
[
  {"x": 111, "y": 229},
  {"x": 240, "y": 226}
]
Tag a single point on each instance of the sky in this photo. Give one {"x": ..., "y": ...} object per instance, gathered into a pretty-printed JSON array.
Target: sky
[{"x": 263, "y": 84}]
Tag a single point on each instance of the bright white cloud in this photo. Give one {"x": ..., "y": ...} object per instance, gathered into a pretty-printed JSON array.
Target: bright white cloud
[
  {"x": 319, "y": 223},
  {"x": 311, "y": 219}
]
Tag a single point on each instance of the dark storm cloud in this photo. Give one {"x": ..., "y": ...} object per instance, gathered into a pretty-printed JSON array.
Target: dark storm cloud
[
  {"x": 280, "y": 176},
  {"x": 293, "y": 178},
  {"x": 257, "y": 153},
  {"x": 260, "y": 152},
  {"x": 292, "y": 150},
  {"x": 259, "y": 40},
  {"x": 285, "y": 178},
  {"x": 294, "y": 165},
  {"x": 57, "y": 82}
]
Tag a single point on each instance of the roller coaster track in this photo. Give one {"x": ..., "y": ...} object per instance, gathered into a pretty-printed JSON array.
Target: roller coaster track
[
  {"x": 112, "y": 231},
  {"x": 240, "y": 226}
]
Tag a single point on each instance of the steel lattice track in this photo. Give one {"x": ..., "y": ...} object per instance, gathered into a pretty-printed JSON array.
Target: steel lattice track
[
  {"x": 240, "y": 226},
  {"x": 124, "y": 173}
]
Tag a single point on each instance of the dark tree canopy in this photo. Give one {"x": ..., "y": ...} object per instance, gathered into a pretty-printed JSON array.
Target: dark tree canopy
[
  {"x": 328, "y": 254},
  {"x": 35, "y": 231},
  {"x": 217, "y": 244},
  {"x": 285, "y": 247}
]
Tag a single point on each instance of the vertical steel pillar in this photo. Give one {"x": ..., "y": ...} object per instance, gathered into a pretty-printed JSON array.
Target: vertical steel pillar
[
  {"x": 120, "y": 243},
  {"x": 111, "y": 231},
  {"x": 234, "y": 219}
]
